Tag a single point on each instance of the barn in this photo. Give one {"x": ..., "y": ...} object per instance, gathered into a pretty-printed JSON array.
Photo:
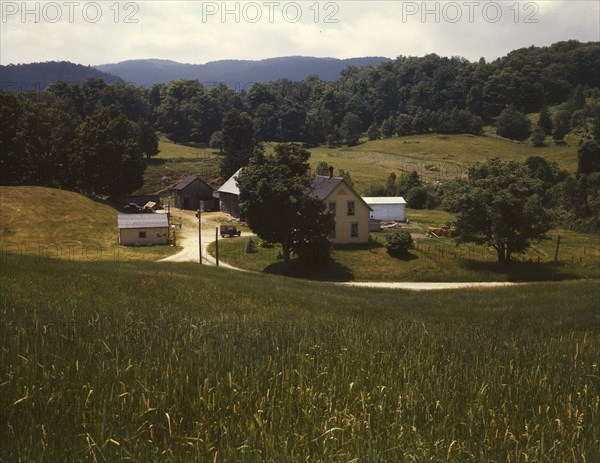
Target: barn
[
  {"x": 229, "y": 196},
  {"x": 386, "y": 208},
  {"x": 143, "y": 229},
  {"x": 191, "y": 191}
]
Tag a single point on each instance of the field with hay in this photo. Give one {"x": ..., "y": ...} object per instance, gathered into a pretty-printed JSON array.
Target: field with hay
[{"x": 113, "y": 361}]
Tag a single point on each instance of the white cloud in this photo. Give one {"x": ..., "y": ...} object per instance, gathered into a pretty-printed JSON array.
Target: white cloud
[{"x": 198, "y": 31}]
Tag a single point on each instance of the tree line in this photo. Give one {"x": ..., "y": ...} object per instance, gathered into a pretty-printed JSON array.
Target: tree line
[{"x": 93, "y": 136}]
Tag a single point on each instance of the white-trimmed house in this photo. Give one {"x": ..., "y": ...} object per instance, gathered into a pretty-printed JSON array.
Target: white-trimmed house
[
  {"x": 350, "y": 211},
  {"x": 386, "y": 208},
  {"x": 143, "y": 229}
]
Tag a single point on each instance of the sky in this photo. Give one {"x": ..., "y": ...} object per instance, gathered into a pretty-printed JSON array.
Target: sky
[{"x": 100, "y": 32}]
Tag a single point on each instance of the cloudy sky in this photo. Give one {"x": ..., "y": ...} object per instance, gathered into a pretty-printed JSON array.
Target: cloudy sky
[{"x": 98, "y": 32}]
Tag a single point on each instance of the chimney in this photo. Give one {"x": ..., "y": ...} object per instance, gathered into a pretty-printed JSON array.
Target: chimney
[{"x": 330, "y": 171}]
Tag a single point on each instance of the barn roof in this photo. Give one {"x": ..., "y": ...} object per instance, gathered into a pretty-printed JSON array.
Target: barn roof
[
  {"x": 384, "y": 200},
  {"x": 142, "y": 220},
  {"x": 230, "y": 186},
  {"x": 186, "y": 182}
]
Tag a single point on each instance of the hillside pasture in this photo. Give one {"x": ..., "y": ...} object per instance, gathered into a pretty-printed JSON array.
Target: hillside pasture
[
  {"x": 435, "y": 157},
  {"x": 62, "y": 224}
]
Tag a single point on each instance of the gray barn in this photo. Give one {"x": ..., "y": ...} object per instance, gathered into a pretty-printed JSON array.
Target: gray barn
[
  {"x": 190, "y": 191},
  {"x": 229, "y": 196}
]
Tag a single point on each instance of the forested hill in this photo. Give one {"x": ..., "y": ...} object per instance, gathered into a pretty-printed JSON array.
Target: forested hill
[
  {"x": 18, "y": 78},
  {"x": 237, "y": 74}
]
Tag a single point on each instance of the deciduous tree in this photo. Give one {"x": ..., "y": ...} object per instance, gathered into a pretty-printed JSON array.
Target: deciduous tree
[
  {"x": 498, "y": 206},
  {"x": 277, "y": 202}
]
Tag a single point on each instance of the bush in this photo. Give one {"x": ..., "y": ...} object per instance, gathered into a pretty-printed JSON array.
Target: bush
[
  {"x": 513, "y": 124},
  {"x": 398, "y": 242},
  {"x": 251, "y": 246},
  {"x": 418, "y": 198}
]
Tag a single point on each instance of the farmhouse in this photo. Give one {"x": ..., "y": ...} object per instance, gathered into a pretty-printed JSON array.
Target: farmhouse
[
  {"x": 351, "y": 212},
  {"x": 143, "y": 229},
  {"x": 191, "y": 191},
  {"x": 229, "y": 196},
  {"x": 386, "y": 208}
]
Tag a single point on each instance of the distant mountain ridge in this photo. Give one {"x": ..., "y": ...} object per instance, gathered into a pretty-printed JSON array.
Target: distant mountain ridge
[
  {"x": 238, "y": 74},
  {"x": 18, "y": 78}
]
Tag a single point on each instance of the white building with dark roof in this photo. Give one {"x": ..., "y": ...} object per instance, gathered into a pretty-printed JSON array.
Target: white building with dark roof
[{"x": 143, "y": 229}]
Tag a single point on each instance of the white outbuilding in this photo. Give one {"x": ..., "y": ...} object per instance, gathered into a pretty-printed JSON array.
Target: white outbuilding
[
  {"x": 143, "y": 229},
  {"x": 386, "y": 208}
]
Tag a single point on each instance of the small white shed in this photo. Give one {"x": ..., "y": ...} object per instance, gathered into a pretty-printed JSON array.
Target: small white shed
[
  {"x": 143, "y": 229},
  {"x": 387, "y": 208}
]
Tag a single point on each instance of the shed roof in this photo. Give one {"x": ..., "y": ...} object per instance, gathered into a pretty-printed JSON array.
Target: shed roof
[
  {"x": 384, "y": 200},
  {"x": 142, "y": 221},
  {"x": 186, "y": 182},
  {"x": 230, "y": 186}
]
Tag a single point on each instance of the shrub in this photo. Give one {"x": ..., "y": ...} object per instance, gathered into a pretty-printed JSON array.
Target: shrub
[
  {"x": 398, "y": 242},
  {"x": 250, "y": 246}
]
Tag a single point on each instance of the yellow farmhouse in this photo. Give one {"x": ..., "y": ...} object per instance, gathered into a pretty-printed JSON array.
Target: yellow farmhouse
[{"x": 351, "y": 212}]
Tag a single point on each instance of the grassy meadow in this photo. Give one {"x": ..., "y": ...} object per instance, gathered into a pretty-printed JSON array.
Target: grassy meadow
[
  {"x": 435, "y": 157},
  {"x": 176, "y": 362},
  {"x": 432, "y": 259},
  {"x": 60, "y": 224}
]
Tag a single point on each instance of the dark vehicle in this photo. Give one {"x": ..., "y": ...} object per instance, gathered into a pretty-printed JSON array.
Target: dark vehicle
[
  {"x": 229, "y": 230},
  {"x": 133, "y": 207}
]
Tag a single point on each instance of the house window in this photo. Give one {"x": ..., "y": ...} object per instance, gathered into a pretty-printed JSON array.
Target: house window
[
  {"x": 332, "y": 207},
  {"x": 350, "y": 207},
  {"x": 332, "y": 233},
  {"x": 354, "y": 230},
  {"x": 142, "y": 234}
]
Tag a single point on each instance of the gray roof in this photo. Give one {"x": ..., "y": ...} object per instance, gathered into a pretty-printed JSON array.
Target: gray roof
[
  {"x": 230, "y": 186},
  {"x": 323, "y": 186},
  {"x": 186, "y": 182},
  {"x": 143, "y": 220}
]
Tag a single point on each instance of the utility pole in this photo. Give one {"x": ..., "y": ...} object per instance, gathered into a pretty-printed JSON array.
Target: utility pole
[
  {"x": 199, "y": 236},
  {"x": 557, "y": 246},
  {"x": 217, "y": 245}
]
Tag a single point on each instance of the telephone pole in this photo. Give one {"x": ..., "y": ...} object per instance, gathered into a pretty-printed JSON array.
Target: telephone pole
[{"x": 199, "y": 236}]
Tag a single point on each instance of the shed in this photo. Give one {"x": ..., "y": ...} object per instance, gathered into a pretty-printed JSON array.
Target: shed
[
  {"x": 229, "y": 196},
  {"x": 386, "y": 208},
  {"x": 190, "y": 191},
  {"x": 143, "y": 229}
]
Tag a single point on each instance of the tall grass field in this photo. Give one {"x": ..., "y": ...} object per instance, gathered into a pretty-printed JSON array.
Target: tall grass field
[{"x": 138, "y": 361}]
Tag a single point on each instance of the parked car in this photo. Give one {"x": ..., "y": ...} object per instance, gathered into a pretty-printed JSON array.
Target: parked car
[
  {"x": 133, "y": 207},
  {"x": 229, "y": 230}
]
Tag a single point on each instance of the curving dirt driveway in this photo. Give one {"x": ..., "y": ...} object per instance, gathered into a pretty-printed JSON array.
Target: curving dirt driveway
[{"x": 187, "y": 237}]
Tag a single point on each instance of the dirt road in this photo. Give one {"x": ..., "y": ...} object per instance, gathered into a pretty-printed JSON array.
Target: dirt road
[{"x": 187, "y": 236}]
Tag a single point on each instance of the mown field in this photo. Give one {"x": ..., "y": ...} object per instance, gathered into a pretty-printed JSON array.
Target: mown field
[
  {"x": 435, "y": 157},
  {"x": 60, "y": 224},
  {"x": 174, "y": 362}
]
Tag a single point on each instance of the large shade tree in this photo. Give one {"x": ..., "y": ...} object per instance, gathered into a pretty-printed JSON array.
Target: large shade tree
[
  {"x": 277, "y": 202},
  {"x": 499, "y": 205}
]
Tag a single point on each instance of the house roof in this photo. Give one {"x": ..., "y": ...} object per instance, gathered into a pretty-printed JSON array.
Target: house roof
[
  {"x": 186, "y": 182},
  {"x": 230, "y": 186},
  {"x": 323, "y": 186},
  {"x": 384, "y": 200},
  {"x": 142, "y": 221}
]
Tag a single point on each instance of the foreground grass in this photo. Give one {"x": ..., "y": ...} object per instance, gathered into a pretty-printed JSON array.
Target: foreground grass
[
  {"x": 147, "y": 362},
  {"x": 62, "y": 224}
]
